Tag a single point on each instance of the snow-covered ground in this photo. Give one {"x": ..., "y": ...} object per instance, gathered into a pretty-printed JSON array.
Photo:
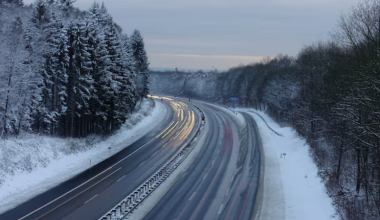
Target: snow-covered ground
[
  {"x": 32, "y": 164},
  {"x": 292, "y": 190}
]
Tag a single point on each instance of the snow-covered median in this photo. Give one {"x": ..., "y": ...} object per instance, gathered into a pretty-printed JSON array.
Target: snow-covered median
[
  {"x": 32, "y": 164},
  {"x": 292, "y": 190}
]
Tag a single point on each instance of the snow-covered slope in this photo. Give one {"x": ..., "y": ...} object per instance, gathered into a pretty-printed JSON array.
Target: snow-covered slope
[
  {"x": 32, "y": 164},
  {"x": 292, "y": 190}
]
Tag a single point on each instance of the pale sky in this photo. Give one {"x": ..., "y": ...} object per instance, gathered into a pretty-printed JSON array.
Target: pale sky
[{"x": 205, "y": 34}]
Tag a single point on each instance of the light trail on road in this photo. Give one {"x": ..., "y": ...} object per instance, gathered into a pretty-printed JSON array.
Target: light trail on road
[{"x": 95, "y": 191}]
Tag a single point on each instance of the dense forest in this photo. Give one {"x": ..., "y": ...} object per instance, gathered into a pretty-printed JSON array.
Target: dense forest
[
  {"x": 67, "y": 72},
  {"x": 329, "y": 93}
]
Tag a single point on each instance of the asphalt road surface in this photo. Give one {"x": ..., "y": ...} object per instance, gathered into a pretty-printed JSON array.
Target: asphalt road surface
[
  {"x": 193, "y": 195},
  {"x": 245, "y": 185},
  {"x": 92, "y": 193}
]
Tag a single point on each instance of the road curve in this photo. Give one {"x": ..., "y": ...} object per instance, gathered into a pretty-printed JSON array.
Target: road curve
[
  {"x": 92, "y": 193},
  {"x": 246, "y": 181},
  {"x": 201, "y": 193}
]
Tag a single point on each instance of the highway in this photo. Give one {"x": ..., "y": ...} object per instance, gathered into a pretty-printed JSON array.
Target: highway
[
  {"x": 92, "y": 193},
  {"x": 215, "y": 186},
  {"x": 246, "y": 182}
]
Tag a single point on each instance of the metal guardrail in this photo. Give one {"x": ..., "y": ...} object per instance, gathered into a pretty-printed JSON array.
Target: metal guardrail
[
  {"x": 127, "y": 205},
  {"x": 266, "y": 123}
]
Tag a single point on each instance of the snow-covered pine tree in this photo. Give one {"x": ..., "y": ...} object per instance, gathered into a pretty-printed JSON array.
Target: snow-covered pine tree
[
  {"x": 141, "y": 64},
  {"x": 67, "y": 75},
  {"x": 94, "y": 9},
  {"x": 16, "y": 82},
  {"x": 83, "y": 81},
  {"x": 129, "y": 65},
  {"x": 33, "y": 63},
  {"x": 104, "y": 18},
  {"x": 126, "y": 97},
  {"x": 66, "y": 6},
  {"x": 55, "y": 77},
  {"x": 40, "y": 14},
  {"x": 70, "y": 113},
  {"x": 99, "y": 61},
  {"x": 112, "y": 79}
]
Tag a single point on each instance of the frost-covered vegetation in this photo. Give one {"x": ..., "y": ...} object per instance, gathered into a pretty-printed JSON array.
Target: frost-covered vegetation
[
  {"x": 40, "y": 162},
  {"x": 27, "y": 152},
  {"x": 67, "y": 72},
  {"x": 329, "y": 94}
]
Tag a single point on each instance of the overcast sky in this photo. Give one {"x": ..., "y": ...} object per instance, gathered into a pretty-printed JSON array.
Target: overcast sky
[{"x": 201, "y": 34}]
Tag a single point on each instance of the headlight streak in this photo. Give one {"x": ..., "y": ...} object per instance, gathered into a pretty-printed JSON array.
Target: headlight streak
[
  {"x": 158, "y": 97},
  {"x": 187, "y": 121},
  {"x": 170, "y": 130},
  {"x": 180, "y": 115},
  {"x": 189, "y": 128},
  {"x": 165, "y": 130},
  {"x": 183, "y": 129}
]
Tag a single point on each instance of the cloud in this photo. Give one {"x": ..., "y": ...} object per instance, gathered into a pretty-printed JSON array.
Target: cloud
[
  {"x": 247, "y": 28},
  {"x": 212, "y": 56},
  {"x": 196, "y": 61}
]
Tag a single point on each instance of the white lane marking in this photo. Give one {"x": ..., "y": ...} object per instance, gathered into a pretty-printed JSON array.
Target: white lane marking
[
  {"x": 142, "y": 163},
  {"x": 192, "y": 196},
  {"x": 120, "y": 178},
  {"x": 63, "y": 195},
  {"x": 133, "y": 153},
  {"x": 228, "y": 190},
  {"x": 220, "y": 209},
  {"x": 86, "y": 181},
  {"x": 91, "y": 198},
  {"x": 153, "y": 154}
]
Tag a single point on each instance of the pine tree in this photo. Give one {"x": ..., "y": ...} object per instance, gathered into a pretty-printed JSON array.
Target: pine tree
[
  {"x": 55, "y": 77},
  {"x": 18, "y": 82},
  {"x": 129, "y": 63},
  {"x": 104, "y": 18},
  {"x": 83, "y": 81},
  {"x": 65, "y": 74},
  {"x": 40, "y": 14},
  {"x": 141, "y": 64},
  {"x": 126, "y": 97},
  {"x": 111, "y": 77},
  {"x": 66, "y": 5},
  {"x": 99, "y": 61}
]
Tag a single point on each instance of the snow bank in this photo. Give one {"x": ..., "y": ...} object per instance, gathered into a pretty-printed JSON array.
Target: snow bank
[
  {"x": 292, "y": 178},
  {"x": 32, "y": 164}
]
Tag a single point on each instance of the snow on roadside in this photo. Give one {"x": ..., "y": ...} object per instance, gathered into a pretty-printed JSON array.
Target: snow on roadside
[
  {"x": 303, "y": 192},
  {"x": 32, "y": 164}
]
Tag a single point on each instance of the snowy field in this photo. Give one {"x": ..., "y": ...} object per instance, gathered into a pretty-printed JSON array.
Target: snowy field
[
  {"x": 292, "y": 189},
  {"x": 32, "y": 164}
]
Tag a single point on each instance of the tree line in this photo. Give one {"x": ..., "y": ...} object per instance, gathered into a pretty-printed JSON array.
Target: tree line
[
  {"x": 329, "y": 93},
  {"x": 67, "y": 72}
]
